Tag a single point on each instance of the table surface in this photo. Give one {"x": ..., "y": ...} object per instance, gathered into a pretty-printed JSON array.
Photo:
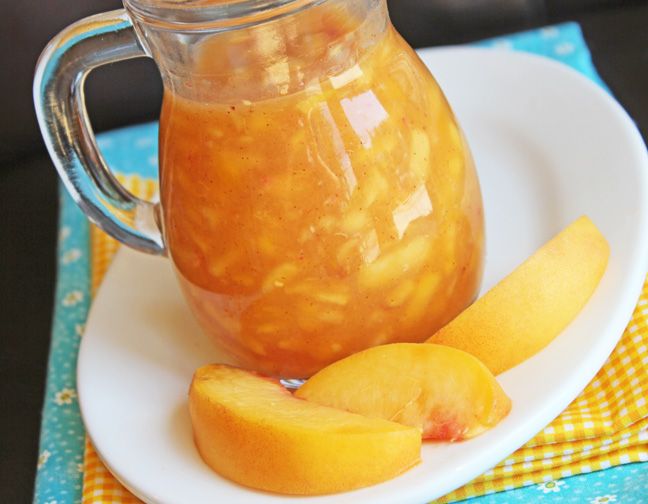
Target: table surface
[{"x": 617, "y": 38}]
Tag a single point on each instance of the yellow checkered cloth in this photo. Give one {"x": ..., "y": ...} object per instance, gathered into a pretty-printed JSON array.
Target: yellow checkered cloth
[{"x": 605, "y": 426}]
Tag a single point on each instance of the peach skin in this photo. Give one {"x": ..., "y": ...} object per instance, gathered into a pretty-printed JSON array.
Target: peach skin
[
  {"x": 253, "y": 431},
  {"x": 445, "y": 392},
  {"x": 524, "y": 312}
]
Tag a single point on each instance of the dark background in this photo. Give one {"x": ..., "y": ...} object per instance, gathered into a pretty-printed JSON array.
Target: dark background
[{"x": 616, "y": 32}]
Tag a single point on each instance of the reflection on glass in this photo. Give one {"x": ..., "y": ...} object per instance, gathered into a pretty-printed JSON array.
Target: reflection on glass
[
  {"x": 365, "y": 113},
  {"x": 417, "y": 205}
]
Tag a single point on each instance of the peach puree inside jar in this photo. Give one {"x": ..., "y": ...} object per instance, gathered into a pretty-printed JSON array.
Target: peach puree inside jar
[{"x": 313, "y": 212}]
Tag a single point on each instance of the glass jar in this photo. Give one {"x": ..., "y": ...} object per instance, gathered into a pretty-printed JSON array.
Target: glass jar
[{"x": 317, "y": 194}]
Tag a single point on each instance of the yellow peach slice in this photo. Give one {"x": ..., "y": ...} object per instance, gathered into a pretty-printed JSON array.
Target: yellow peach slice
[
  {"x": 445, "y": 392},
  {"x": 525, "y": 311},
  {"x": 253, "y": 431}
]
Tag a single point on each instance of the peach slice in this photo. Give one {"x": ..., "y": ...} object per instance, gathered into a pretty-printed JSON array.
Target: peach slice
[
  {"x": 253, "y": 431},
  {"x": 445, "y": 392},
  {"x": 525, "y": 311}
]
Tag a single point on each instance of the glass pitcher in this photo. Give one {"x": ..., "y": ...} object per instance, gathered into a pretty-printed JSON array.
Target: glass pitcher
[{"x": 317, "y": 196}]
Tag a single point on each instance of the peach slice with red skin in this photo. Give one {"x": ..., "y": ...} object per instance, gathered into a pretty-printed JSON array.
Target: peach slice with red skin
[
  {"x": 447, "y": 393},
  {"x": 253, "y": 431}
]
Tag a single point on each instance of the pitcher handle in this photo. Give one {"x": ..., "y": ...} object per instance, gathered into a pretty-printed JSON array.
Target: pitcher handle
[{"x": 60, "y": 107}]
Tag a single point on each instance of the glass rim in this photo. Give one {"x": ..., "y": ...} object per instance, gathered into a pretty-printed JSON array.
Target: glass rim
[{"x": 195, "y": 15}]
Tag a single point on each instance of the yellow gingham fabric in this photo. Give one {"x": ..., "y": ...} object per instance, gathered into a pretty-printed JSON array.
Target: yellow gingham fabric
[
  {"x": 605, "y": 426},
  {"x": 99, "y": 485}
]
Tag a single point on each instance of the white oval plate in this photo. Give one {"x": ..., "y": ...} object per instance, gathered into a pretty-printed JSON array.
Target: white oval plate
[{"x": 549, "y": 146}]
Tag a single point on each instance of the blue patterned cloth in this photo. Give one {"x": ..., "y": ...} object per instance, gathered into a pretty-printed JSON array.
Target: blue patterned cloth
[{"x": 134, "y": 150}]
